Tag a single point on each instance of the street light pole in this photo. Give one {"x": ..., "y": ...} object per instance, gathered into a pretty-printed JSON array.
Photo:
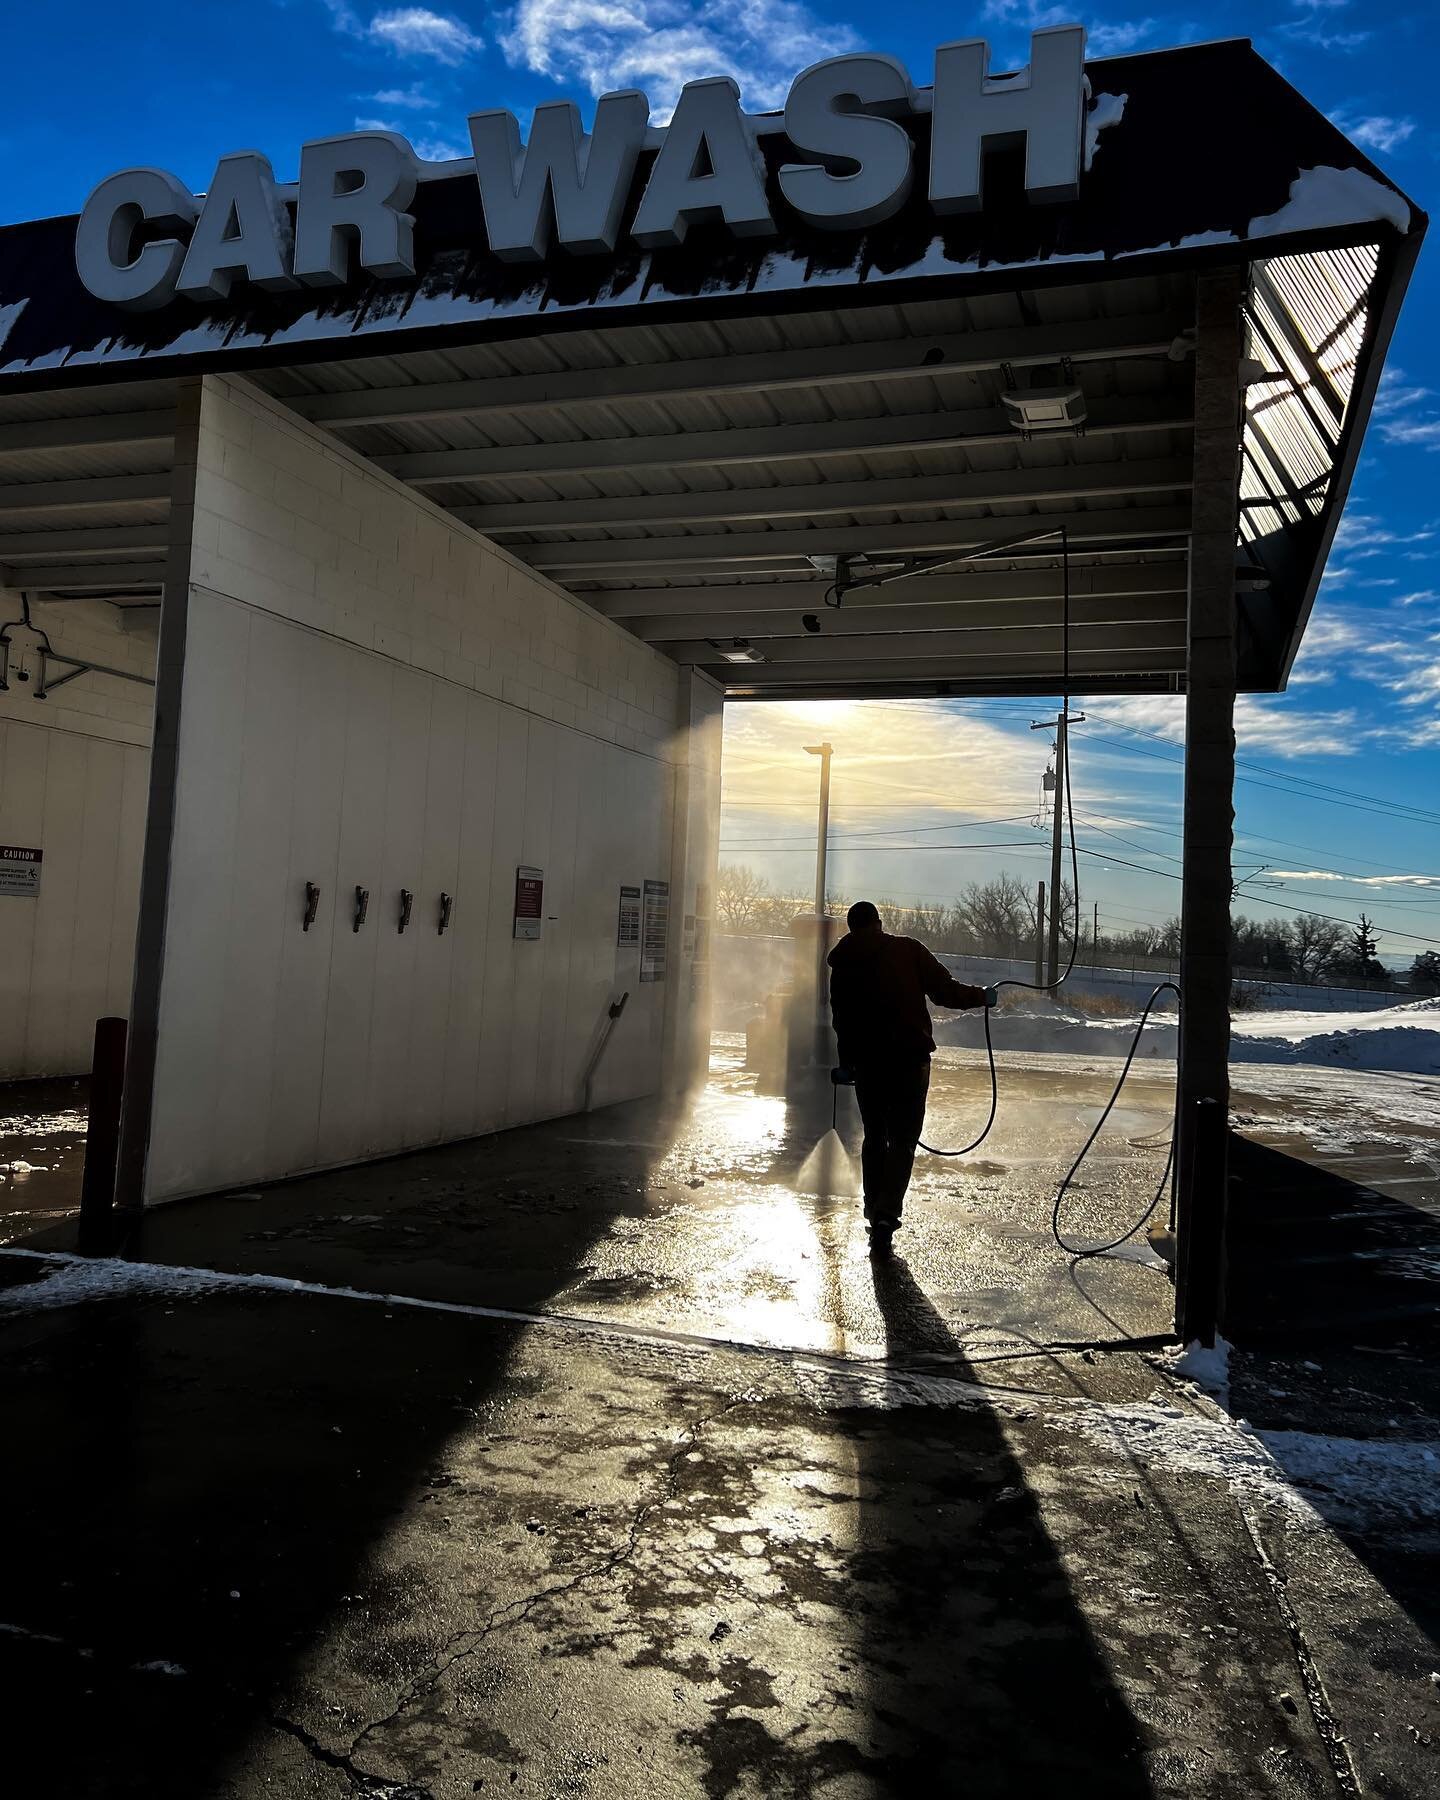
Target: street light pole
[
  {"x": 822, "y": 845},
  {"x": 822, "y": 839}
]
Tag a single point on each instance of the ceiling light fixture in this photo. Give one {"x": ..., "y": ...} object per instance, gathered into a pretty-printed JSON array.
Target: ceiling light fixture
[{"x": 738, "y": 650}]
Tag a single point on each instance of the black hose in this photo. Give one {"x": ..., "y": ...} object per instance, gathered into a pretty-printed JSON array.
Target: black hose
[
  {"x": 1039, "y": 987},
  {"x": 1074, "y": 1169},
  {"x": 965, "y": 1149}
]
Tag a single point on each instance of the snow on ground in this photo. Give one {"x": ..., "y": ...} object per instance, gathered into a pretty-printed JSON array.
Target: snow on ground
[
  {"x": 1312, "y": 1477},
  {"x": 1403, "y": 1038},
  {"x": 1315, "y": 1478}
]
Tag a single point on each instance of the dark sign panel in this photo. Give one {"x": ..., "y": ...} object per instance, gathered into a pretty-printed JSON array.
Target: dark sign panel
[
  {"x": 627, "y": 930},
  {"x": 529, "y": 901},
  {"x": 654, "y": 930}
]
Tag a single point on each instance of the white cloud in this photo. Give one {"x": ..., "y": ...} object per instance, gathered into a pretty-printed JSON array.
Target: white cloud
[
  {"x": 1121, "y": 38},
  {"x": 1395, "y": 394},
  {"x": 412, "y": 99},
  {"x": 659, "y": 45},
  {"x": 1311, "y": 27},
  {"x": 1273, "y": 725},
  {"x": 428, "y": 149},
  {"x": 408, "y": 31},
  {"x": 1375, "y": 131},
  {"x": 1372, "y": 881},
  {"x": 416, "y": 31}
]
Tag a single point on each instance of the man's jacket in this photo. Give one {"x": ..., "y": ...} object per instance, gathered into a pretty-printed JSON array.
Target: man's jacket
[{"x": 878, "y": 988}]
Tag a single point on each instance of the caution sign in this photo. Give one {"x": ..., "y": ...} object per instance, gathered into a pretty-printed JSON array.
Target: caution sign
[
  {"x": 654, "y": 930},
  {"x": 529, "y": 901},
  {"x": 627, "y": 929},
  {"x": 20, "y": 871}
]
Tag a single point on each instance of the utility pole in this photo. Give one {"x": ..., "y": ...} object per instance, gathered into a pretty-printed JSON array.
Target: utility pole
[
  {"x": 1060, "y": 725},
  {"x": 1094, "y": 936},
  {"x": 1039, "y": 932}
]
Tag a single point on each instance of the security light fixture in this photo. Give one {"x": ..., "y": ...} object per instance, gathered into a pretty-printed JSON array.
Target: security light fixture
[
  {"x": 738, "y": 650},
  {"x": 1046, "y": 409}
]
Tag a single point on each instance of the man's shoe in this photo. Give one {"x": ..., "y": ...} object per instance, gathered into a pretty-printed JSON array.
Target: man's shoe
[{"x": 881, "y": 1232}]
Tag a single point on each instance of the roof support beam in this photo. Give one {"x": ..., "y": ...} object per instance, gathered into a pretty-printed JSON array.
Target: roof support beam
[
  {"x": 741, "y": 445},
  {"x": 1045, "y": 671},
  {"x": 82, "y": 493},
  {"x": 1087, "y": 481},
  {"x": 1140, "y": 523},
  {"x": 55, "y": 546},
  {"x": 1137, "y": 613},
  {"x": 953, "y": 590},
  {"x": 1010, "y": 647},
  {"x": 871, "y": 684},
  {"x": 94, "y": 578},
  {"x": 104, "y": 431},
  {"x": 920, "y": 358}
]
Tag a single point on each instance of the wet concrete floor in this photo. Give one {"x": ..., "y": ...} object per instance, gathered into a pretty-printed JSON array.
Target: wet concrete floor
[
  {"x": 693, "y": 1218},
  {"x": 727, "y": 1510}
]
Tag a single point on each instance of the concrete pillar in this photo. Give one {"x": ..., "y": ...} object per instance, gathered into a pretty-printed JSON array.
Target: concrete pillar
[
  {"x": 1203, "y": 1091},
  {"x": 139, "y": 1089}
]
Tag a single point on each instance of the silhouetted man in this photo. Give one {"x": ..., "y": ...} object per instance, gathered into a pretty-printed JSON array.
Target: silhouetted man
[{"x": 878, "y": 988}]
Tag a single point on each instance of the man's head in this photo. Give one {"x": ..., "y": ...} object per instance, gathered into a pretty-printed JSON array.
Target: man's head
[{"x": 862, "y": 916}]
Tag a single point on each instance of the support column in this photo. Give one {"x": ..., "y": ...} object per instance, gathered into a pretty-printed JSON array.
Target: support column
[{"x": 1204, "y": 1086}]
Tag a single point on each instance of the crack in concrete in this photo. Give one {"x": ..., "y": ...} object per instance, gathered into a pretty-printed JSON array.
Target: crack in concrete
[
  {"x": 464, "y": 1644},
  {"x": 363, "y": 1781}
]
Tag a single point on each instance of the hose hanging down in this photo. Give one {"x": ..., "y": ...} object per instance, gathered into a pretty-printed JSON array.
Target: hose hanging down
[{"x": 1077, "y": 1250}]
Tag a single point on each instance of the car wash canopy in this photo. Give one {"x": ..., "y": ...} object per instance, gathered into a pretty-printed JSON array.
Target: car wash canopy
[{"x": 717, "y": 376}]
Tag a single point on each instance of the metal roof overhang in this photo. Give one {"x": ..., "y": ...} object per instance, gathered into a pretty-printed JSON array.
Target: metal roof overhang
[{"x": 685, "y": 463}]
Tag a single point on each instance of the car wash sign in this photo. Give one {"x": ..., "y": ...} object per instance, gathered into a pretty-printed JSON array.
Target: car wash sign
[{"x": 856, "y": 143}]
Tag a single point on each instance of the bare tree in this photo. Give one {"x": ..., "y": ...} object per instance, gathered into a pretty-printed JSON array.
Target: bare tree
[
  {"x": 739, "y": 894},
  {"x": 997, "y": 915},
  {"x": 1315, "y": 945}
]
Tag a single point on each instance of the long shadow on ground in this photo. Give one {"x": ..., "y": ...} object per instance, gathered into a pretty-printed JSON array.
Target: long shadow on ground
[{"x": 1332, "y": 1306}]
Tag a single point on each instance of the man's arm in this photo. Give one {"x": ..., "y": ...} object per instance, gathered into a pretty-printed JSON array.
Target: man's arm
[{"x": 942, "y": 987}]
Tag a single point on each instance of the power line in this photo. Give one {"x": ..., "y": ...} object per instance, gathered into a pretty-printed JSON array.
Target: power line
[{"x": 1305, "y": 784}]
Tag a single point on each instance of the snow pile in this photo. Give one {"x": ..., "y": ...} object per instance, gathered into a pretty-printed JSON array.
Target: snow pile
[
  {"x": 1403, "y": 1038},
  {"x": 1208, "y": 1369},
  {"x": 1108, "y": 110},
  {"x": 1325, "y": 196}
]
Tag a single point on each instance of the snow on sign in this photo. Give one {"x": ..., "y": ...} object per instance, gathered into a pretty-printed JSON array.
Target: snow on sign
[
  {"x": 654, "y": 930},
  {"x": 20, "y": 871},
  {"x": 529, "y": 901}
]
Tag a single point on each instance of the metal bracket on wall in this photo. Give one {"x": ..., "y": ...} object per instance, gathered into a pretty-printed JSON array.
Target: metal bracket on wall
[
  {"x": 47, "y": 655},
  {"x": 407, "y": 900},
  {"x": 362, "y": 906},
  {"x": 312, "y": 903},
  {"x": 447, "y": 901}
]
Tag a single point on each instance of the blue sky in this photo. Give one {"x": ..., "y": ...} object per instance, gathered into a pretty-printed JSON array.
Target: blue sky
[{"x": 92, "y": 89}]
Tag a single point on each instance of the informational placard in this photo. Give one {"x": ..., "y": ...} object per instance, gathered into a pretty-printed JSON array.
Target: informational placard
[
  {"x": 529, "y": 901},
  {"x": 654, "y": 930},
  {"x": 627, "y": 928},
  {"x": 20, "y": 871}
]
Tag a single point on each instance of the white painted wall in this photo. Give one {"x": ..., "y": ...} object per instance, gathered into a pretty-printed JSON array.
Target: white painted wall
[
  {"x": 341, "y": 744},
  {"x": 74, "y": 772}
]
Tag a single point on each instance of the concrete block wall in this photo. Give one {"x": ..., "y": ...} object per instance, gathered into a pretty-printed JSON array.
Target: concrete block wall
[
  {"x": 296, "y": 525},
  {"x": 373, "y": 695},
  {"x": 74, "y": 771}
]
